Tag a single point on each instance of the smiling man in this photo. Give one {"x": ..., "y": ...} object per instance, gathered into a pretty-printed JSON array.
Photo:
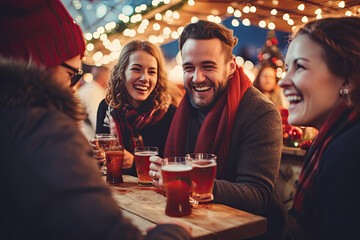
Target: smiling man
[{"x": 223, "y": 114}]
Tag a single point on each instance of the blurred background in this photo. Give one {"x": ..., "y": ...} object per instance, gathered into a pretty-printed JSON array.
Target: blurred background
[{"x": 262, "y": 26}]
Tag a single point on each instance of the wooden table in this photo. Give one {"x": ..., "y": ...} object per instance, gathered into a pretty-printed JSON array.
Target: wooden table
[{"x": 146, "y": 207}]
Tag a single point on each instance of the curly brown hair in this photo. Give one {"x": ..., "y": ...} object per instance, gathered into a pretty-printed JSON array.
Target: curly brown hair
[
  {"x": 339, "y": 38},
  {"x": 116, "y": 93}
]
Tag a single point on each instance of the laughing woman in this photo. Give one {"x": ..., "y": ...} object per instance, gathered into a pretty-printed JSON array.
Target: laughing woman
[
  {"x": 323, "y": 86},
  {"x": 137, "y": 106}
]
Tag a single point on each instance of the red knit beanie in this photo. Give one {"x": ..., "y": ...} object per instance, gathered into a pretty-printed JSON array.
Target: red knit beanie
[{"x": 40, "y": 30}]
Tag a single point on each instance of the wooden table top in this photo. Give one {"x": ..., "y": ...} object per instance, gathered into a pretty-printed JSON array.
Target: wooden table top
[{"x": 146, "y": 207}]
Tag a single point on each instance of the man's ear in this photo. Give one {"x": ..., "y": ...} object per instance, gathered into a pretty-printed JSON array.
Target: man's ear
[{"x": 232, "y": 66}]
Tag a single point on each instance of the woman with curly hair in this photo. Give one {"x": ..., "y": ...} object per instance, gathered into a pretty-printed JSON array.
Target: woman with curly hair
[{"x": 137, "y": 106}]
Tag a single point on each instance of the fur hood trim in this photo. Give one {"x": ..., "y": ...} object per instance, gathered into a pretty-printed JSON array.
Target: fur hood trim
[{"x": 25, "y": 85}]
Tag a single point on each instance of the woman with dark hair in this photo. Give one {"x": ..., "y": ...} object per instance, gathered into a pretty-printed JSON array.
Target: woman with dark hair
[
  {"x": 322, "y": 85},
  {"x": 267, "y": 83},
  {"x": 137, "y": 101}
]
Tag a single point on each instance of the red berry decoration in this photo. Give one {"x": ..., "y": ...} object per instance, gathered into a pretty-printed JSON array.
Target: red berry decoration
[
  {"x": 295, "y": 133},
  {"x": 305, "y": 144},
  {"x": 274, "y": 41}
]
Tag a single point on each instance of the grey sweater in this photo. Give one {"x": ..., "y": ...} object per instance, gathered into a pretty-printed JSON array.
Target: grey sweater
[{"x": 253, "y": 163}]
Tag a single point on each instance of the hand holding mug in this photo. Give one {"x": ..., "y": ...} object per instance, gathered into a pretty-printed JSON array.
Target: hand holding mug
[
  {"x": 128, "y": 159},
  {"x": 155, "y": 171}
]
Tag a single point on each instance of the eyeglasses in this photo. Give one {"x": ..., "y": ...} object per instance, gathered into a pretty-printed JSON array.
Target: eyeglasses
[{"x": 76, "y": 76}]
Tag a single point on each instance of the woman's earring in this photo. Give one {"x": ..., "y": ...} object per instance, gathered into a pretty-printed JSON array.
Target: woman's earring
[{"x": 344, "y": 92}]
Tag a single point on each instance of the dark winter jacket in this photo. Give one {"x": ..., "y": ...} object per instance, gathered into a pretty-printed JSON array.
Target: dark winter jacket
[{"x": 51, "y": 186}]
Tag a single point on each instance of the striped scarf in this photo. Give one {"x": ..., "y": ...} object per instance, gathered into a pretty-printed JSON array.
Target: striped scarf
[
  {"x": 129, "y": 121},
  {"x": 306, "y": 194}
]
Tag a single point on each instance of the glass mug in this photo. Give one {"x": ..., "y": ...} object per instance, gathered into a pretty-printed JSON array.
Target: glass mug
[
  {"x": 203, "y": 175},
  {"x": 176, "y": 175},
  {"x": 114, "y": 160},
  {"x": 104, "y": 141},
  {"x": 142, "y": 163}
]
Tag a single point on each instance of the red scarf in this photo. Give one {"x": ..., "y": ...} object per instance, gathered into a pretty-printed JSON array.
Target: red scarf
[
  {"x": 215, "y": 132},
  {"x": 305, "y": 197},
  {"x": 129, "y": 121}
]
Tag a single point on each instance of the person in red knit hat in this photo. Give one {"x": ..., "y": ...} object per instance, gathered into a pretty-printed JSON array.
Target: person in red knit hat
[
  {"x": 52, "y": 187},
  {"x": 43, "y": 32}
]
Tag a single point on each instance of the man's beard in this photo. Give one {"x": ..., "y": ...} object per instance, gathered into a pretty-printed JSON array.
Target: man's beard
[{"x": 206, "y": 107}]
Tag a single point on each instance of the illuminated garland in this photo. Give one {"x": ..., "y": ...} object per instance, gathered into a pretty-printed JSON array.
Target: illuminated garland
[{"x": 122, "y": 26}]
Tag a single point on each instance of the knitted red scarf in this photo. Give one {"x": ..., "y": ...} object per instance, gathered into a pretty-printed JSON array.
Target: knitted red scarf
[
  {"x": 215, "y": 132},
  {"x": 130, "y": 121},
  {"x": 341, "y": 119}
]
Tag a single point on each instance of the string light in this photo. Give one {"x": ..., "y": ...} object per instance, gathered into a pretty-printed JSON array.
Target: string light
[
  {"x": 237, "y": 13},
  {"x": 127, "y": 21},
  {"x": 246, "y": 22},
  {"x": 175, "y": 35},
  {"x": 286, "y": 16},
  {"x": 271, "y": 26},
  {"x": 88, "y": 36},
  {"x": 158, "y": 16},
  {"x": 191, "y": 2},
  {"x": 176, "y": 15},
  {"x": 96, "y": 35},
  {"x": 262, "y": 24},
  {"x": 235, "y": 23},
  {"x": 90, "y": 47},
  {"x": 304, "y": 19},
  {"x": 230, "y": 10},
  {"x": 100, "y": 30},
  {"x": 246, "y": 9},
  {"x": 194, "y": 19},
  {"x": 301, "y": 7},
  {"x": 167, "y": 31},
  {"x": 156, "y": 26}
]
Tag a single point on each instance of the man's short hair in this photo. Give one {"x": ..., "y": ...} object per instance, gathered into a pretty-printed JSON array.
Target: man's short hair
[{"x": 208, "y": 30}]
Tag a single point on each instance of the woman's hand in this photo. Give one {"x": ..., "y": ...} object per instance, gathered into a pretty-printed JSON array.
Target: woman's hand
[
  {"x": 128, "y": 160},
  {"x": 155, "y": 171}
]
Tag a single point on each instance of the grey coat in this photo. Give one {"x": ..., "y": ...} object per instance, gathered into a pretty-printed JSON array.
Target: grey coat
[{"x": 252, "y": 168}]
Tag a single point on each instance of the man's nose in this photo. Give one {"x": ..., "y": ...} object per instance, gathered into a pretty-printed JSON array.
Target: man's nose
[{"x": 198, "y": 77}]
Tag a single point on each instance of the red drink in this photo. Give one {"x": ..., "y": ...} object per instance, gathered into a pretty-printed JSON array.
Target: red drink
[
  {"x": 203, "y": 175},
  {"x": 142, "y": 163},
  {"x": 114, "y": 160},
  {"x": 177, "y": 181}
]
